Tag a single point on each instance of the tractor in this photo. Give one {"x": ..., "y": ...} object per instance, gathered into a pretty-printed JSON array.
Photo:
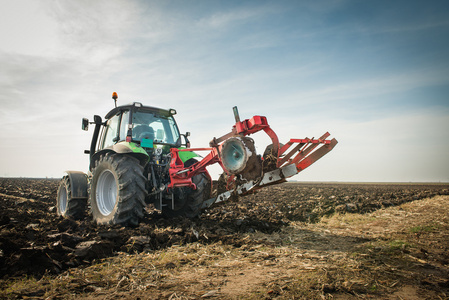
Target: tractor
[{"x": 139, "y": 158}]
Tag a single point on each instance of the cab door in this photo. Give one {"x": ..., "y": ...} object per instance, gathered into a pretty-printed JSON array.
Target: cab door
[{"x": 115, "y": 130}]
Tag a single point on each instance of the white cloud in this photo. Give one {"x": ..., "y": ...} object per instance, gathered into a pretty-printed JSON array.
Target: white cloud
[
  {"x": 25, "y": 29},
  {"x": 93, "y": 31},
  {"x": 407, "y": 147},
  {"x": 236, "y": 16}
]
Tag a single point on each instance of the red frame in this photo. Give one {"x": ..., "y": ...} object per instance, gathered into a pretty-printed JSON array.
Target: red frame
[{"x": 302, "y": 154}]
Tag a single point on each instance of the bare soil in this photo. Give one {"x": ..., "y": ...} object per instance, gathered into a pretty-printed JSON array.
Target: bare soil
[{"x": 290, "y": 241}]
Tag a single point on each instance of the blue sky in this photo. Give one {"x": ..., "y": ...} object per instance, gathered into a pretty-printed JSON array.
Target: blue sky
[{"x": 375, "y": 74}]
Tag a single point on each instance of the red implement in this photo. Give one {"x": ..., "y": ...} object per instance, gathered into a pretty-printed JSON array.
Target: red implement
[{"x": 290, "y": 159}]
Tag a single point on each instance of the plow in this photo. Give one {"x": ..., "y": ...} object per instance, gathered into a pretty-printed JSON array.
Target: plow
[
  {"x": 139, "y": 158},
  {"x": 244, "y": 170}
]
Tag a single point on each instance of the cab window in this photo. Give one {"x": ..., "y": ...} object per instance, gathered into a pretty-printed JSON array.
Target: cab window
[
  {"x": 124, "y": 125},
  {"x": 111, "y": 134},
  {"x": 160, "y": 129}
]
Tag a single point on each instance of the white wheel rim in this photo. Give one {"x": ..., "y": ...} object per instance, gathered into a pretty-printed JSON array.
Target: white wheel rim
[
  {"x": 106, "y": 192},
  {"x": 62, "y": 199}
]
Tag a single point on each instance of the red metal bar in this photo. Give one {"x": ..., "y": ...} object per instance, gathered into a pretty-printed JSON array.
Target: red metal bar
[
  {"x": 290, "y": 154},
  {"x": 308, "y": 149},
  {"x": 285, "y": 147},
  {"x": 316, "y": 155},
  {"x": 274, "y": 139},
  {"x": 176, "y": 165},
  {"x": 303, "y": 153},
  {"x": 181, "y": 176},
  {"x": 252, "y": 125},
  {"x": 195, "y": 149},
  {"x": 319, "y": 141},
  {"x": 215, "y": 142},
  {"x": 210, "y": 159}
]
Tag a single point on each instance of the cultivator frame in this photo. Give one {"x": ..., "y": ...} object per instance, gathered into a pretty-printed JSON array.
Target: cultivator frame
[{"x": 289, "y": 159}]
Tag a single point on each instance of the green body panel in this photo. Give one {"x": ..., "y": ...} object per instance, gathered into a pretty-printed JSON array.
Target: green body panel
[
  {"x": 186, "y": 155},
  {"x": 125, "y": 147}
]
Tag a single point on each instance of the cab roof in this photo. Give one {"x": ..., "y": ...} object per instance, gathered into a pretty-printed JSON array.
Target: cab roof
[{"x": 138, "y": 106}]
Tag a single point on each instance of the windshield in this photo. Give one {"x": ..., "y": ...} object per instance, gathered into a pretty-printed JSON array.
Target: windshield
[{"x": 150, "y": 125}]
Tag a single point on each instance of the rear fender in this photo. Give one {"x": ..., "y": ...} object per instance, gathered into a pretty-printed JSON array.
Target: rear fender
[
  {"x": 78, "y": 184},
  {"x": 122, "y": 148}
]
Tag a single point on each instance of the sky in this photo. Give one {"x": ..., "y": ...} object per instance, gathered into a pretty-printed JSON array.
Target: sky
[{"x": 375, "y": 74}]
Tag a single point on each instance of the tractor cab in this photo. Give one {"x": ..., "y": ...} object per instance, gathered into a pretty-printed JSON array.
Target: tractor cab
[
  {"x": 143, "y": 125},
  {"x": 146, "y": 131}
]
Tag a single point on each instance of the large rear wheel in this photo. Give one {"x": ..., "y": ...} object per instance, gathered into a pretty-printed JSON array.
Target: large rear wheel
[{"x": 117, "y": 191}]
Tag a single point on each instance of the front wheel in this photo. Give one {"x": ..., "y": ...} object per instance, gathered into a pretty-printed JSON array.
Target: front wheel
[
  {"x": 117, "y": 192},
  {"x": 190, "y": 202}
]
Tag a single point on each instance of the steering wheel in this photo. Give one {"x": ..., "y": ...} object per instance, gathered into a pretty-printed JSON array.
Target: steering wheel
[{"x": 146, "y": 135}]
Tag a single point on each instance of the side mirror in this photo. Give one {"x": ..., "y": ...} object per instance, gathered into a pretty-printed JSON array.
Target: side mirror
[
  {"x": 85, "y": 124},
  {"x": 179, "y": 142},
  {"x": 187, "y": 144}
]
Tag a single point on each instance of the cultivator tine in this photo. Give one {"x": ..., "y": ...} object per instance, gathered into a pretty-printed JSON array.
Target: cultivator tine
[
  {"x": 284, "y": 159},
  {"x": 303, "y": 154},
  {"x": 316, "y": 155}
]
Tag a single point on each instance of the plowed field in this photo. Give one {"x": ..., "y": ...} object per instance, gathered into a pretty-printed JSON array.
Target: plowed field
[{"x": 290, "y": 241}]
